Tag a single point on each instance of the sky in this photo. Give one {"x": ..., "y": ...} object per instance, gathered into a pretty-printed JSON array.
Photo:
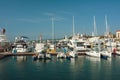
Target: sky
[{"x": 33, "y": 18}]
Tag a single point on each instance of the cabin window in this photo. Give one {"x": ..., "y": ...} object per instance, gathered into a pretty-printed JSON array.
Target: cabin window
[{"x": 79, "y": 44}]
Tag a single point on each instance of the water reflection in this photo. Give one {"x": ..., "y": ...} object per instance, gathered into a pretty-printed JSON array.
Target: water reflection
[
  {"x": 72, "y": 61},
  {"x": 93, "y": 67},
  {"x": 42, "y": 61},
  {"x": 77, "y": 63},
  {"x": 19, "y": 58},
  {"x": 109, "y": 61},
  {"x": 74, "y": 69}
]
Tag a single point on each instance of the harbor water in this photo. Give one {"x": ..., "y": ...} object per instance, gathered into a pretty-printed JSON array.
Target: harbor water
[{"x": 81, "y": 68}]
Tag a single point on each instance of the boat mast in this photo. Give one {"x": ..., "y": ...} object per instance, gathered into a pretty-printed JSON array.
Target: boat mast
[
  {"x": 107, "y": 31},
  {"x": 95, "y": 29},
  {"x": 73, "y": 27},
  {"x": 52, "y": 30},
  {"x": 40, "y": 38}
]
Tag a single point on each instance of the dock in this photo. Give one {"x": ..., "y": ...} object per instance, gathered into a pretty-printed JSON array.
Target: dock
[{"x": 7, "y": 54}]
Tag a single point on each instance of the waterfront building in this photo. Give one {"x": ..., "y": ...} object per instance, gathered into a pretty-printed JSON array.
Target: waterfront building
[{"x": 118, "y": 34}]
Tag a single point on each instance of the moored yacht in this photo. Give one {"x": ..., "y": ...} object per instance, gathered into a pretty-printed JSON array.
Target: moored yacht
[
  {"x": 20, "y": 45},
  {"x": 78, "y": 45},
  {"x": 93, "y": 53},
  {"x": 106, "y": 53}
]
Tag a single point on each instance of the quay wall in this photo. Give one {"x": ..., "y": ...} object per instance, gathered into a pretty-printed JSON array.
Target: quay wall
[{"x": 7, "y": 54}]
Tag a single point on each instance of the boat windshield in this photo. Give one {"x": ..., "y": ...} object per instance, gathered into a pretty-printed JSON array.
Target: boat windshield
[
  {"x": 80, "y": 44},
  {"x": 19, "y": 46}
]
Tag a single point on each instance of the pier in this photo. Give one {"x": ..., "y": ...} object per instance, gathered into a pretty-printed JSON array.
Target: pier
[{"x": 7, "y": 54}]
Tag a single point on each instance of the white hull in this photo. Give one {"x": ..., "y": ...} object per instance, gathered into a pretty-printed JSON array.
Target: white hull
[
  {"x": 48, "y": 56},
  {"x": 40, "y": 56},
  {"x": 93, "y": 59},
  {"x": 118, "y": 52},
  {"x": 21, "y": 50},
  {"x": 93, "y": 53},
  {"x": 106, "y": 53},
  {"x": 61, "y": 55},
  {"x": 44, "y": 56},
  {"x": 72, "y": 54}
]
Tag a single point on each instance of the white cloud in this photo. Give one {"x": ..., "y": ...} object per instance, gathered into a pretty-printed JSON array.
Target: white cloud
[
  {"x": 37, "y": 20},
  {"x": 59, "y": 18},
  {"x": 27, "y": 20},
  {"x": 49, "y": 14},
  {"x": 66, "y": 12}
]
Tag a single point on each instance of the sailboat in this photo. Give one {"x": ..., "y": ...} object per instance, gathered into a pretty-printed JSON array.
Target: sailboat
[
  {"x": 74, "y": 44},
  {"x": 107, "y": 53},
  {"x": 52, "y": 45},
  {"x": 20, "y": 45},
  {"x": 94, "y": 52}
]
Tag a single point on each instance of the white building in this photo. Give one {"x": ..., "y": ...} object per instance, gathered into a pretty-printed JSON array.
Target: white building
[{"x": 118, "y": 34}]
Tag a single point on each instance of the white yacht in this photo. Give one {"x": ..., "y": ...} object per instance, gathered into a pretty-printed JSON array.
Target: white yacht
[
  {"x": 106, "y": 53},
  {"x": 93, "y": 53},
  {"x": 77, "y": 45},
  {"x": 20, "y": 45}
]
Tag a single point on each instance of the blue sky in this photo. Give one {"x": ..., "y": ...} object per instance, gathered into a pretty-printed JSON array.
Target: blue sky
[{"x": 33, "y": 17}]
